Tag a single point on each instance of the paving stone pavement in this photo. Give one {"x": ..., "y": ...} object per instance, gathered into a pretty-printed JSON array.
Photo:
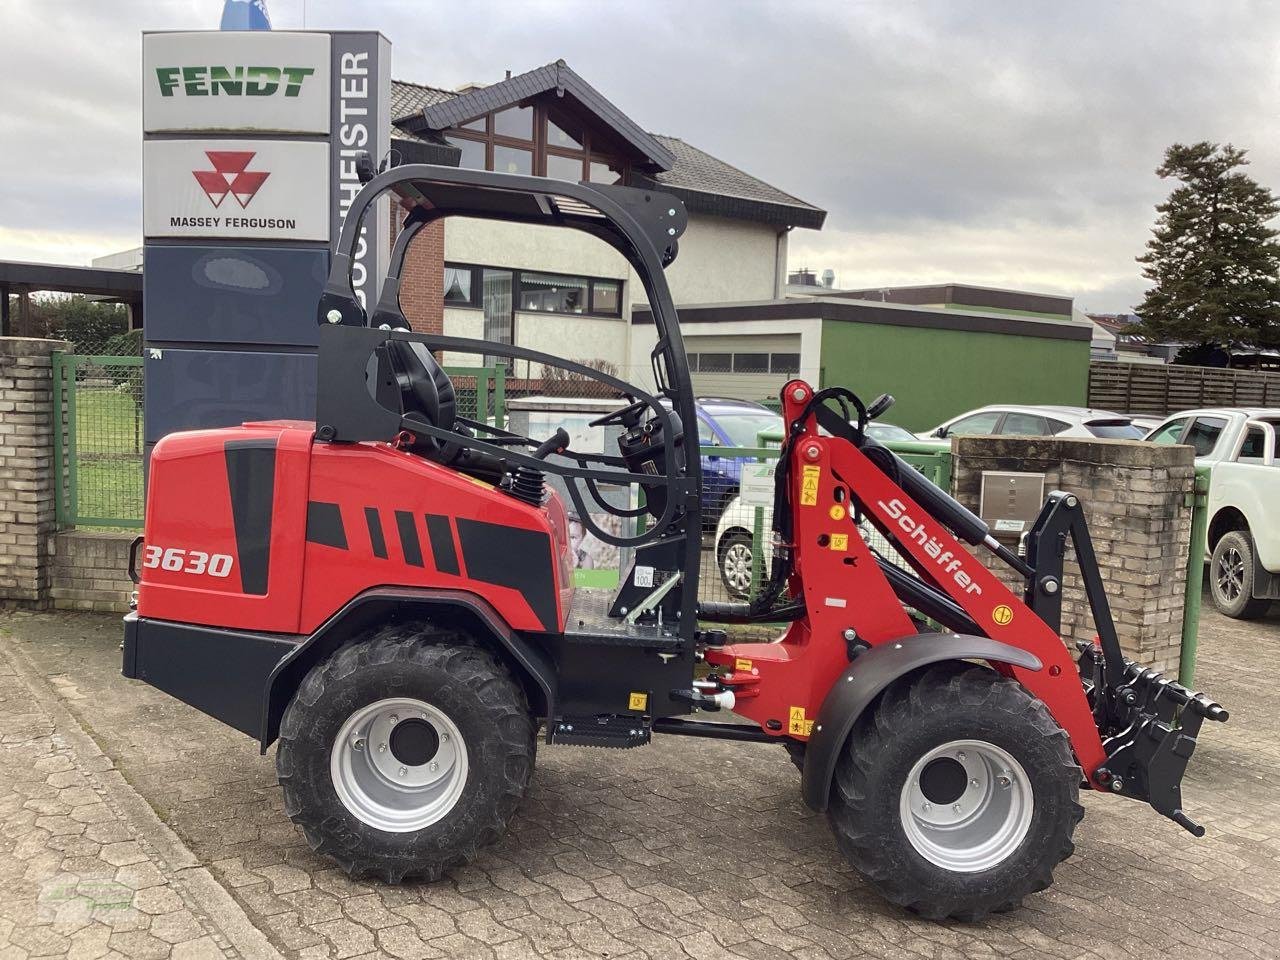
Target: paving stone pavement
[
  {"x": 86, "y": 868},
  {"x": 689, "y": 848}
]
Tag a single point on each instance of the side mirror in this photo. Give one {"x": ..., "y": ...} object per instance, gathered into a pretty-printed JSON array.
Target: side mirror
[{"x": 940, "y": 433}]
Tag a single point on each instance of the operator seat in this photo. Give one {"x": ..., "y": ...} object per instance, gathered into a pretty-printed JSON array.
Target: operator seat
[{"x": 426, "y": 395}]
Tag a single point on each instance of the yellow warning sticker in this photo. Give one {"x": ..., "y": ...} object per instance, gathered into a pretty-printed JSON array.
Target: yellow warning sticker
[
  {"x": 809, "y": 478},
  {"x": 1002, "y": 614},
  {"x": 638, "y": 701},
  {"x": 797, "y": 725},
  {"x": 836, "y": 512},
  {"x": 741, "y": 664},
  {"x": 839, "y": 541}
]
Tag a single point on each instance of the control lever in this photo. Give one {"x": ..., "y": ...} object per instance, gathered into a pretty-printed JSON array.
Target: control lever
[
  {"x": 556, "y": 444},
  {"x": 879, "y": 405}
]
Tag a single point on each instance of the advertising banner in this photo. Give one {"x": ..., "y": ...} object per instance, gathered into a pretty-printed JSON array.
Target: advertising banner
[
  {"x": 251, "y": 82},
  {"x": 236, "y": 189}
]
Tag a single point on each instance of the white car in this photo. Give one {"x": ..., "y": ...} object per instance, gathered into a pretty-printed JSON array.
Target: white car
[
  {"x": 1038, "y": 421},
  {"x": 1239, "y": 447}
]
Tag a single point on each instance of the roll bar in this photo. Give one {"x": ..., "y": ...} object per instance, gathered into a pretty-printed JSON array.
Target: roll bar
[{"x": 644, "y": 226}]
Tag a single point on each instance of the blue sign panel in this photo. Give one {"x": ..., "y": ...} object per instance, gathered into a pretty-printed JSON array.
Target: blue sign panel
[{"x": 226, "y": 294}]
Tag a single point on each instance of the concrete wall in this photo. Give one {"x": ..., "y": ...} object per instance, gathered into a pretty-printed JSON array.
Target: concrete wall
[
  {"x": 1135, "y": 497},
  {"x": 91, "y": 570},
  {"x": 936, "y": 374},
  {"x": 26, "y": 468},
  {"x": 725, "y": 260}
]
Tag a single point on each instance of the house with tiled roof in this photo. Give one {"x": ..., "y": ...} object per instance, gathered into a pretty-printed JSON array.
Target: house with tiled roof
[{"x": 568, "y": 293}]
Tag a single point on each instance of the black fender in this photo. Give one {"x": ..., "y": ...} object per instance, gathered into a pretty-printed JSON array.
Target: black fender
[
  {"x": 530, "y": 665},
  {"x": 870, "y": 673}
]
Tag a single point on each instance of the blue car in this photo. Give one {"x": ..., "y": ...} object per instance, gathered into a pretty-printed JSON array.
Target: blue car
[{"x": 727, "y": 423}]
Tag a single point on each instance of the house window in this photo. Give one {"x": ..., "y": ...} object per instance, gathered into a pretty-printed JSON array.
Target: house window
[
  {"x": 457, "y": 286},
  {"x": 536, "y": 139},
  {"x": 534, "y": 292},
  {"x": 692, "y": 360},
  {"x": 606, "y": 297},
  {"x": 715, "y": 362},
  {"x": 784, "y": 362},
  {"x": 750, "y": 363},
  {"x": 556, "y": 294}
]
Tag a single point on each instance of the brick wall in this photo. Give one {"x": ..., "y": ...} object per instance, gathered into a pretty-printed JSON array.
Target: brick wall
[
  {"x": 91, "y": 571},
  {"x": 422, "y": 279},
  {"x": 1136, "y": 503},
  {"x": 26, "y": 468}
]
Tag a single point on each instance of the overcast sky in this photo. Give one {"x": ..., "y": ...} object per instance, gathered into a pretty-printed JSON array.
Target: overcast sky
[{"x": 1003, "y": 143}]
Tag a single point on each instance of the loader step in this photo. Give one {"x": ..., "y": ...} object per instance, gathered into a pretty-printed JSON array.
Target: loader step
[{"x": 604, "y": 730}]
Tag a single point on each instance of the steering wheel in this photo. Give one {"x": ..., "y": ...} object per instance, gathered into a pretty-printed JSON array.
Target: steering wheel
[{"x": 627, "y": 416}]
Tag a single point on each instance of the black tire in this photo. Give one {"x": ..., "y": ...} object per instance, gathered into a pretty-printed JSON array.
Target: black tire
[
  {"x": 1231, "y": 577},
  {"x": 464, "y": 682},
  {"x": 944, "y": 704},
  {"x": 730, "y": 545}
]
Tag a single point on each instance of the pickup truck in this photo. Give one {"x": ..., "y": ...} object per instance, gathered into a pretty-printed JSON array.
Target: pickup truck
[{"x": 1239, "y": 447}]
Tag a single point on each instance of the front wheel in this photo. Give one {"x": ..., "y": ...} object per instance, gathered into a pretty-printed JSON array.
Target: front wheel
[
  {"x": 1231, "y": 577},
  {"x": 402, "y": 755},
  {"x": 958, "y": 795}
]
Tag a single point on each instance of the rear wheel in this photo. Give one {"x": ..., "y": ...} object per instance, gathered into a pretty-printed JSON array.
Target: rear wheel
[
  {"x": 958, "y": 795},
  {"x": 402, "y": 755},
  {"x": 1231, "y": 577}
]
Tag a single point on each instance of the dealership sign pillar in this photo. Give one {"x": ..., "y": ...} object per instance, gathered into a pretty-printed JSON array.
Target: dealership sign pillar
[{"x": 249, "y": 164}]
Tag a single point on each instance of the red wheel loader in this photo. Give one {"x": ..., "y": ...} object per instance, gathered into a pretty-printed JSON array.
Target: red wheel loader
[{"x": 387, "y": 595}]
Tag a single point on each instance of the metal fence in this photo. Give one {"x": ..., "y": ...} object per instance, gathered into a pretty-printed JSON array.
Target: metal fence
[{"x": 99, "y": 439}]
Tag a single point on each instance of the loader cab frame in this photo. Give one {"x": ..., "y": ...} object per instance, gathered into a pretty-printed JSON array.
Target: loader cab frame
[{"x": 658, "y": 446}]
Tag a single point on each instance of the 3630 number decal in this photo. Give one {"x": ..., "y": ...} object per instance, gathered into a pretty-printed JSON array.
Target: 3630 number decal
[{"x": 175, "y": 559}]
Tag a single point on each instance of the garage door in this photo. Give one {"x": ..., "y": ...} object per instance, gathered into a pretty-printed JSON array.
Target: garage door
[{"x": 743, "y": 367}]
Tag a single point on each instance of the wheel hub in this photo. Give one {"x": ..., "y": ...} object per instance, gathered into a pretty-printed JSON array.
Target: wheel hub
[
  {"x": 398, "y": 764},
  {"x": 966, "y": 805}
]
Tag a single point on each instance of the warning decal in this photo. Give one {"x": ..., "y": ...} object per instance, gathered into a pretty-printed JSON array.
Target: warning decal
[
  {"x": 741, "y": 664},
  {"x": 839, "y": 541},
  {"x": 638, "y": 701},
  {"x": 797, "y": 725},
  {"x": 809, "y": 484}
]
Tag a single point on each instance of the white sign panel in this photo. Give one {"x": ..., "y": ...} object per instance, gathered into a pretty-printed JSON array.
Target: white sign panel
[
  {"x": 236, "y": 80},
  {"x": 236, "y": 189},
  {"x": 756, "y": 484}
]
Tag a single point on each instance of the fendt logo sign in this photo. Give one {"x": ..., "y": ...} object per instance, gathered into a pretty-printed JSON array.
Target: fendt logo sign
[
  {"x": 217, "y": 190},
  {"x": 232, "y": 81},
  {"x": 229, "y": 177},
  {"x": 236, "y": 81}
]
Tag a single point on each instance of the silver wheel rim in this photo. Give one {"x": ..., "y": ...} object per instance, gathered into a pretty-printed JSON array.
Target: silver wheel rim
[
  {"x": 393, "y": 793},
  {"x": 737, "y": 567},
  {"x": 981, "y": 826},
  {"x": 1229, "y": 575}
]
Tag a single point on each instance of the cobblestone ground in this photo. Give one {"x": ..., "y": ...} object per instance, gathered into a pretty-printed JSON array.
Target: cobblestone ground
[
  {"x": 86, "y": 869},
  {"x": 689, "y": 848}
]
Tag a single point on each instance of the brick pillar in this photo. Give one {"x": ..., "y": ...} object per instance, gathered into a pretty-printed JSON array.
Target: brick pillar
[
  {"x": 26, "y": 468},
  {"x": 1135, "y": 498},
  {"x": 422, "y": 279}
]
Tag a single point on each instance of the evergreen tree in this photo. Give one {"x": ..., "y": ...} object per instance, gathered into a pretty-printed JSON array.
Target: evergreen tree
[{"x": 1213, "y": 260}]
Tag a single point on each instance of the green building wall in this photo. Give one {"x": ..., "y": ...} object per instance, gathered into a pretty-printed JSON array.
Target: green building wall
[{"x": 936, "y": 374}]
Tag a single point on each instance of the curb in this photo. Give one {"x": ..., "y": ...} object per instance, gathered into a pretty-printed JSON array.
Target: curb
[{"x": 198, "y": 886}]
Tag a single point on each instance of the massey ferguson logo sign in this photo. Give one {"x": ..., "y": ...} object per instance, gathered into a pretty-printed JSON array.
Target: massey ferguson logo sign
[
  {"x": 236, "y": 81},
  {"x": 216, "y": 189},
  {"x": 229, "y": 177}
]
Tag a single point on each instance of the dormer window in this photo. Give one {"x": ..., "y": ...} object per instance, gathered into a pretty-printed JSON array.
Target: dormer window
[{"x": 536, "y": 139}]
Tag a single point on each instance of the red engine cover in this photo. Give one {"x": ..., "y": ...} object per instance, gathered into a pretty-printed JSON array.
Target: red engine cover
[{"x": 256, "y": 528}]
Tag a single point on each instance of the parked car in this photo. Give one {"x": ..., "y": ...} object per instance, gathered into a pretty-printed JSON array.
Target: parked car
[
  {"x": 1038, "y": 421},
  {"x": 723, "y": 422},
  {"x": 1239, "y": 447}
]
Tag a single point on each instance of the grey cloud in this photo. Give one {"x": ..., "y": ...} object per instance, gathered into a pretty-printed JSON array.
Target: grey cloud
[{"x": 952, "y": 123}]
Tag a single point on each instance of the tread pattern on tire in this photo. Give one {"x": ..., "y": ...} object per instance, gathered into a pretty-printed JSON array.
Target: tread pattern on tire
[
  {"x": 941, "y": 688},
  {"x": 335, "y": 833}
]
